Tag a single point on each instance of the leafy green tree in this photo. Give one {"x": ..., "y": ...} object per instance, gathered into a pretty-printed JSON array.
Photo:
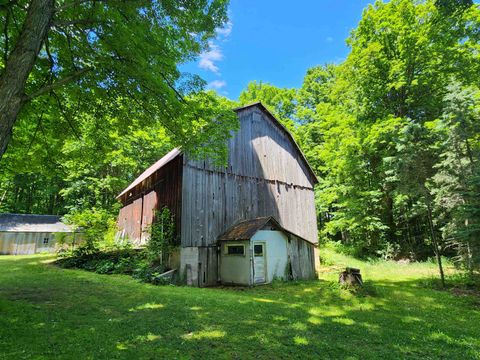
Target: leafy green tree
[
  {"x": 280, "y": 101},
  {"x": 93, "y": 224},
  {"x": 366, "y": 124},
  {"x": 83, "y": 156},
  {"x": 316, "y": 90},
  {"x": 456, "y": 185},
  {"x": 98, "y": 51}
]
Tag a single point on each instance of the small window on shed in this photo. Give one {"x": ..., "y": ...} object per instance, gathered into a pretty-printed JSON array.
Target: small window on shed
[
  {"x": 45, "y": 241},
  {"x": 258, "y": 250},
  {"x": 235, "y": 250}
]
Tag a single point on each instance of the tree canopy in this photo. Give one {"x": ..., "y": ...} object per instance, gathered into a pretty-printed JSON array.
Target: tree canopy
[
  {"x": 393, "y": 133},
  {"x": 88, "y": 53},
  {"x": 93, "y": 94}
]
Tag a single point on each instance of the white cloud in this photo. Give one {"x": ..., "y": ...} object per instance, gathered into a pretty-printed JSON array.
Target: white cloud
[
  {"x": 217, "y": 84},
  {"x": 208, "y": 58},
  {"x": 226, "y": 30}
]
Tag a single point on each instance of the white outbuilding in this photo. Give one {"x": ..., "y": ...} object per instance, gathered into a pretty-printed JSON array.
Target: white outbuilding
[
  {"x": 23, "y": 234},
  {"x": 260, "y": 250}
]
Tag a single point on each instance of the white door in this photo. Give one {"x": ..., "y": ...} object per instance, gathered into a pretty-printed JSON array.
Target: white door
[{"x": 259, "y": 263}]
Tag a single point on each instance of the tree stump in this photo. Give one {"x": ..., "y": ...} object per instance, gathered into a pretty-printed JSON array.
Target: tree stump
[{"x": 350, "y": 277}]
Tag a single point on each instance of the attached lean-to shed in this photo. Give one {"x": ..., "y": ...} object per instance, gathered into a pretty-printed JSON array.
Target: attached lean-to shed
[
  {"x": 266, "y": 175},
  {"x": 23, "y": 234},
  {"x": 258, "y": 251}
]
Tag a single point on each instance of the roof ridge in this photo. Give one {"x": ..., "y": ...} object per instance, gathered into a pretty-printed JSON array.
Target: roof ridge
[{"x": 164, "y": 160}]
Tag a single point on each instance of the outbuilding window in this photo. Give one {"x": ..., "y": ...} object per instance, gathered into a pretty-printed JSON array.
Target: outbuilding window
[
  {"x": 235, "y": 249},
  {"x": 258, "y": 250},
  {"x": 45, "y": 241}
]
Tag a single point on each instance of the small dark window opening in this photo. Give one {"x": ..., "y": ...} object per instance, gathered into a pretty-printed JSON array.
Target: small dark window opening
[
  {"x": 45, "y": 241},
  {"x": 235, "y": 249},
  {"x": 258, "y": 250}
]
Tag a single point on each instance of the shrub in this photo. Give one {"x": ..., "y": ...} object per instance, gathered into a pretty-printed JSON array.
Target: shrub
[
  {"x": 388, "y": 251},
  {"x": 105, "y": 267},
  {"x": 148, "y": 273},
  {"x": 96, "y": 225},
  {"x": 99, "y": 253},
  {"x": 125, "y": 265},
  {"x": 116, "y": 261},
  {"x": 162, "y": 237}
]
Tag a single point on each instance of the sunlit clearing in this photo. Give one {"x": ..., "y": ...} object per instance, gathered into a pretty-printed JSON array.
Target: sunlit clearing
[
  {"x": 315, "y": 320},
  {"x": 147, "y": 306},
  {"x": 152, "y": 337},
  {"x": 331, "y": 311},
  {"x": 300, "y": 340},
  {"x": 441, "y": 336},
  {"x": 122, "y": 346},
  {"x": 410, "y": 319},
  {"x": 344, "y": 321},
  {"x": 205, "y": 334},
  {"x": 264, "y": 300},
  {"x": 299, "y": 326}
]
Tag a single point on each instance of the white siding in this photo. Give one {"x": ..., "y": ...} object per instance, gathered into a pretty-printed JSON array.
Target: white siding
[
  {"x": 276, "y": 252},
  {"x": 25, "y": 243},
  {"x": 235, "y": 269}
]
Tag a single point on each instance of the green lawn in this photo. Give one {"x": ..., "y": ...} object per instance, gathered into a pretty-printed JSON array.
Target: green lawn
[{"x": 49, "y": 313}]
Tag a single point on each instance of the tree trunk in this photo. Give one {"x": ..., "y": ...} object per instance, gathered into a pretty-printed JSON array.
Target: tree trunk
[
  {"x": 390, "y": 218},
  {"x": 436, "y": 247},
  {"x": 19, "y": 65}
]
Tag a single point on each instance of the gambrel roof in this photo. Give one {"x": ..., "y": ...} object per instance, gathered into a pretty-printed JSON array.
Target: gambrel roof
[
  {"x": 285, "y": 131},
  {"x": 177, "y": 152}
]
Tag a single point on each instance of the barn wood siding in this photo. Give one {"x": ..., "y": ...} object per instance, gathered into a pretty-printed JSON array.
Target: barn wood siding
[
  {"x": 26, "y": 243},
  {"x": 162, "y": 189},
  {"x": 265, "y": 176},
  {"x": 301, "y": 254}
]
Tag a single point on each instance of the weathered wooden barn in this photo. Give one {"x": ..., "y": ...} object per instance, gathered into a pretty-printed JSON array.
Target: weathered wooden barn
[
  {"x": 267, "y": 176},
  {"x": 22, "y": 234}
]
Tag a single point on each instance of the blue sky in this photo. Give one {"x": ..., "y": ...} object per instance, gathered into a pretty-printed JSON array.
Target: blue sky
[{"x": 276, "y": 42}]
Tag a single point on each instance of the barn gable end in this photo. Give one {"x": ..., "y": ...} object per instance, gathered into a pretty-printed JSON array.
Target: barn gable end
[
  {"x": 276, "y": 154},
  {"x": 266, "y": 175},
  {"x": 157, "y": 187}
]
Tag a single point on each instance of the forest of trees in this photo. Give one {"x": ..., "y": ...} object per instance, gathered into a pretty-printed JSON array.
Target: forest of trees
[{"x": 393, "y": 132}]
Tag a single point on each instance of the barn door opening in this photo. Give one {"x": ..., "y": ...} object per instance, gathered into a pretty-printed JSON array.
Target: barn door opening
[
  {"x": 207, "y": 266},
  {"x": 259, "y": 263}
]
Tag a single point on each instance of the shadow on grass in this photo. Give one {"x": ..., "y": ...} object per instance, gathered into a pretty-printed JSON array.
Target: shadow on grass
[{"x": 48, "y": 312}]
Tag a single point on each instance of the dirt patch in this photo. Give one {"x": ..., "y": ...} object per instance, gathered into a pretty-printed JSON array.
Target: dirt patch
[
  {"x": 34, "y": 296},
  {"x": 465, "y": 292}
]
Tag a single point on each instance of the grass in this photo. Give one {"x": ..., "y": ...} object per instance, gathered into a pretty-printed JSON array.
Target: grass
[{"x": 52, "y": 313}]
